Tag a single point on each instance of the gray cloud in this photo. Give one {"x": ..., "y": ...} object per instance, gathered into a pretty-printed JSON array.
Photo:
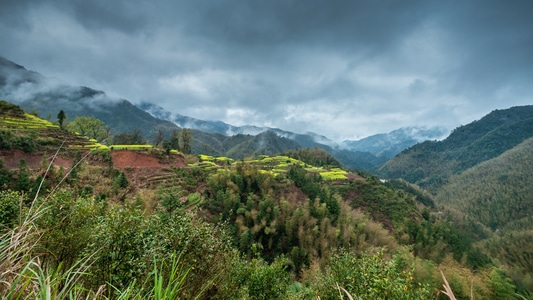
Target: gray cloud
[{"x": 344, "y": 69}]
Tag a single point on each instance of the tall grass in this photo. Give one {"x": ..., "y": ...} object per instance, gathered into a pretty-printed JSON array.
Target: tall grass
[
  {"x": 161, "y": 288},
  {"x": 25, "y": 274}
]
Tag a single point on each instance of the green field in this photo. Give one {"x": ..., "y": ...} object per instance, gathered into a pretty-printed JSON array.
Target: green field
[
  {"x": 275, "y": 165},
  {"x": 28, "y": 122}
]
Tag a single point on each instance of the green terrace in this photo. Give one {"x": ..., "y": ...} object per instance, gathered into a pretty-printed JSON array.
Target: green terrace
[
  {"x": 28, "y": 122},
  {"x": 94, "y": 145},
  {"x": 131, "y": 147},
  {"x": 275, "y": 165}
]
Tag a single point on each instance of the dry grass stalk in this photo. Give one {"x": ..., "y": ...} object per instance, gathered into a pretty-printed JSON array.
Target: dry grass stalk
[
  {"x": 22, "y": 274},
  {"x": 447, "y": 289}
]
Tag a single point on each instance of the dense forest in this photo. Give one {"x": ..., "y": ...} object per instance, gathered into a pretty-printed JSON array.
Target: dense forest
[{"x": 79, "y": 222}]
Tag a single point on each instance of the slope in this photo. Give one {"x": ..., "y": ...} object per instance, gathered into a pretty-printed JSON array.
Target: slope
[
  {"x": 429, "y": 164},
  {"x": 497, "y": 194}
]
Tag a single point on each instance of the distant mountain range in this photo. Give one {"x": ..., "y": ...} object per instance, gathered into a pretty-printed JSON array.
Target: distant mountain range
[
  {"x": 47, "y": 96},
  {"x": 366, "y": 153}
]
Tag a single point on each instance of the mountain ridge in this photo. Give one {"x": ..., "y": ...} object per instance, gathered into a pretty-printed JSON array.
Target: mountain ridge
[
  {"x": 366, "y": 153},
  {"x": 47, "y": 96}
]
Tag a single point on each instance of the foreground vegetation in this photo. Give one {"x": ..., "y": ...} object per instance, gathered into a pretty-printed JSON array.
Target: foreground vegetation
[{"x": 260, "y": 248}]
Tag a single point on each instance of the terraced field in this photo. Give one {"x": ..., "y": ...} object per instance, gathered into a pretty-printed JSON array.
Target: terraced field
[{"x": 275, "y": 165}]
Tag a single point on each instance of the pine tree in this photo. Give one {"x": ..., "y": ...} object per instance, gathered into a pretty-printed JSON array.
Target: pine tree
[{"x": 61, "y": 116}]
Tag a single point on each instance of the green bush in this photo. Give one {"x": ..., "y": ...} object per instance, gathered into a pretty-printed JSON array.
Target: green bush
[
  {"x": 257, "y": 280},
  {"x": 120, "y": 244},
  {"x": 6, "y": 139},
  {"x": 10, "y": 202},
  {"x": 26, "y": 143},
  {"x": 369, "y": 276},
  {"x": 69, "y": 221}
]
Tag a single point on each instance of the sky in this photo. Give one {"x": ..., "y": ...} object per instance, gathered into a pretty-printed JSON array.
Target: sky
[{"x": 345, "y": 69}]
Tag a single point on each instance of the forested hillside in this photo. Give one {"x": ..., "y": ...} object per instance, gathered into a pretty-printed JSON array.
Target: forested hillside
[
  {"x": 430, "y": 164},
  {"x": 497, "y": 194},
  {"x": 481, "y": 175},
  {"x": 89, "y": 221}
]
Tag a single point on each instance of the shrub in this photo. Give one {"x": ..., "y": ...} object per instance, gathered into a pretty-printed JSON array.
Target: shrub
[
  {"x": 369, "y": 276},
  {"x": 257, "y": 280},
  {"x": 6, "y": 139},
  {"x": 25, "y": 143},
  {"x": 9, "y": 208}
]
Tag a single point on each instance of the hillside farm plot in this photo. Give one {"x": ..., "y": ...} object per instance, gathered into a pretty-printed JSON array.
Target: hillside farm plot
[
  {"x": 29, "y": 122},
  {"x": 275, "y": 165},
  {"x": 131, "y": 147}
]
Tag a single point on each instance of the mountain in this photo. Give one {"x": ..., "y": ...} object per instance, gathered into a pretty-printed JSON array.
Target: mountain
[
  {"x": 202, "y": 125},
  {"x": 364, "y": 154},
  {"x": 494, "y": 199},
  {"x": 47, "y": 96},
  {"x": 502, "y": 197},
  {"x": 430, "y": 163},
  {"x": 308, "y": 139},
  {"x": 481, "y": 178},
  {"x": 389, "y": 144}
]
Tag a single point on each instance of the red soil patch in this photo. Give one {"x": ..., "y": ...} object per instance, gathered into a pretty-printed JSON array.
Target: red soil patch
[
  {"x": 125, "y": 158},
  {"x": 59, "y": 161},
  {"x": 13, "y": 157},
  {"x": 134, "y": 159},
  {"x": 141, "y": 166},
  {"x": 122, "y": 159},
  {"x": 33, "y": 161}
]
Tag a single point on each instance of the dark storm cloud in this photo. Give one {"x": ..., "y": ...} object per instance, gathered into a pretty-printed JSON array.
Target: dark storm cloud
[
  {"x": 342, "y": 68},
  {"x": 493, "y": 44}
]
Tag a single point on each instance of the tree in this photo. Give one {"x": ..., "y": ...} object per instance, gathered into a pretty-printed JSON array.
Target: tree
[
  {"x": 175, "y": 139},
  {"x": 186, "y": 140},
  {"x": 134, "y": 138},
  {"x": 61, "y": 116},
  {"x": 167, "y": 146},
  {"x": 23, "y": 177},
  {"x": 122, "y": 139},
  {"x": 90, "y": 127},
  {"x": 159, "y": 137},
  {"x": 122, "y": 180},
  {"x": 137, "y": 137},
  {"x": 5, "y": 175}
]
